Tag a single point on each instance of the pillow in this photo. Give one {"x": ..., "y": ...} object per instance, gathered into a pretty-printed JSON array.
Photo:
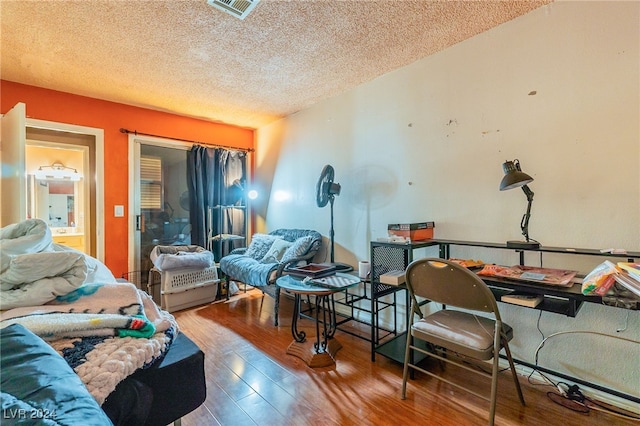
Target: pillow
[
  {"x": 277, "y": 250},
  {"x": 298, "y": 248},
  {"x": 260, "y": 245}
]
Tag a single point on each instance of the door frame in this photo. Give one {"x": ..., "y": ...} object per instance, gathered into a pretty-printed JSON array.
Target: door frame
[
  {"x": 135, "y": 141},
  {"x": 98, "y": 135}
]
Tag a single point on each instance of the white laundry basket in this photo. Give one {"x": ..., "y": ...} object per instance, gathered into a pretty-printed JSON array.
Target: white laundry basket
[{"x": 185, "y": 288}]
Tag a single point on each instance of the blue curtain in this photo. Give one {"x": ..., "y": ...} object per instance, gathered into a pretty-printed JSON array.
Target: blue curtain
[
  {"x": 216, "y": 178},
  {"x": 201, "y": 169}
]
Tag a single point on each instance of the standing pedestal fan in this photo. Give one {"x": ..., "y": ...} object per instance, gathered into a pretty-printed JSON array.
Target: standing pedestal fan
[{"x": 326, "y": 191}]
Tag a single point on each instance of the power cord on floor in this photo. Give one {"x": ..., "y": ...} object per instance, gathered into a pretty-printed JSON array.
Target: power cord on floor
[
  {"x": 626, "y": 323},
  {"x": 580, "y": 332},
  {"x": 536, "y": 360},
  {"x": 570, "y": 396},
  {"x": 567, "y": 402}
]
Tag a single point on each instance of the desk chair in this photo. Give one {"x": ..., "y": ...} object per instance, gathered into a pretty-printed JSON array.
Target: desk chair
[{"x": 469, "y": 336}]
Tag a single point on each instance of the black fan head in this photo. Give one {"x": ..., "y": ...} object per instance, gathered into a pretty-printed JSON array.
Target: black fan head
[
  {"x": 326, "y": 188},
  {"x": 322, "y": 187}
]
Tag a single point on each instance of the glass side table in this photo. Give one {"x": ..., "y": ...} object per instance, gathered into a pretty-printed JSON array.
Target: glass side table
[{"x": 320, "y": 353}]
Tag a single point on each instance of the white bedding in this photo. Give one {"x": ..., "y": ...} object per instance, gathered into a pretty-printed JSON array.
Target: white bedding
[
  {"x": 178, "y": 257},
  {"x": 104, "y": 330},
  {"x": 34, "y": 270}
]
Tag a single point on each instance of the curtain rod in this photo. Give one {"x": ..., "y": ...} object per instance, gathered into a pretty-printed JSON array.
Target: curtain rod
[{"x": 135, "y": 132}]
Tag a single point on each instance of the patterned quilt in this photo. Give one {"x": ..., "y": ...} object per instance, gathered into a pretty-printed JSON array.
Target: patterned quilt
[{"x": 104, "y": 331}]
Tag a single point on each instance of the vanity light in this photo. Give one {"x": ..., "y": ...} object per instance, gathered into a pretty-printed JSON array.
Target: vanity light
[
  {"x": 57, "y": 171},
  {"x": 514, "y": 177}
]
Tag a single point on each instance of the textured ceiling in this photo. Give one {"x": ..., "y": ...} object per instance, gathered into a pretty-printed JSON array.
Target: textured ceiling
[{"x": 188, "y": 58}]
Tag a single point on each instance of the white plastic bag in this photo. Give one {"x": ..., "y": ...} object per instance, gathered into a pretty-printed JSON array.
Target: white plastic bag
[{"x": 600, "y": 280}]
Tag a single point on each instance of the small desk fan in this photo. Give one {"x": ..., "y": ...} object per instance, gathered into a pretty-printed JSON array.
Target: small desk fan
[{"x": 326, "y": 191}]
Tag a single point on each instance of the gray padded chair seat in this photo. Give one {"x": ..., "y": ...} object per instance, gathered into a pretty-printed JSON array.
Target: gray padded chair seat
[{"x": 455, "y": 330}]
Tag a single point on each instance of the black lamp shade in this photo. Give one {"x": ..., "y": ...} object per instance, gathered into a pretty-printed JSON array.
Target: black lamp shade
[{"x": 513, "y": 176}]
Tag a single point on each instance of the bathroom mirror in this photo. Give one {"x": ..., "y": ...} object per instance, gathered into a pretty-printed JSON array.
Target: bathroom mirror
[{"x": 53, "y": 201}]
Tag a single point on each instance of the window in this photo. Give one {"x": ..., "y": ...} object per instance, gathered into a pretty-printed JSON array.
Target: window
[{"x": 151, "y": 193}]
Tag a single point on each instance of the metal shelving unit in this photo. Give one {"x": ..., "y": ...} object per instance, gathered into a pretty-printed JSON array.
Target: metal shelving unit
[
  {"x": 219, "y": 242},
  {"x": 387, "y": 257}
]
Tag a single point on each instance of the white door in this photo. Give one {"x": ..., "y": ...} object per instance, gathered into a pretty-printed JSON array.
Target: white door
[{"x": 13, "y": 182}]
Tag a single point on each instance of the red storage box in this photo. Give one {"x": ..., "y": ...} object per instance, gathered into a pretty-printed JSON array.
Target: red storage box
[{"x": 415, "y": 231}]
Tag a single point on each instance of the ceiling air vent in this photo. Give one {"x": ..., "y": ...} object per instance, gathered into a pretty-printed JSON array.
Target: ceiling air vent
[{"x": 237, "y": 8}]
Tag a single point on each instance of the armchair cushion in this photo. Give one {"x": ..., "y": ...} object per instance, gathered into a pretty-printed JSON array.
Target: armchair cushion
[
  {"x": 278, "y": 249},
  {"x": 298, "y": 248},
  {"x": 252, "y": 270},
  {"x": 260, "y": 245},
  {"x": 247, "y": 269}
]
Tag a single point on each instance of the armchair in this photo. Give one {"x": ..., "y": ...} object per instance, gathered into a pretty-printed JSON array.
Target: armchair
[{"x": 268, "y": 255}]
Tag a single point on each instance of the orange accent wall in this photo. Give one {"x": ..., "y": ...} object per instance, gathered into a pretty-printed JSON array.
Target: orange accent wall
[{"x": 51, "y": 105}]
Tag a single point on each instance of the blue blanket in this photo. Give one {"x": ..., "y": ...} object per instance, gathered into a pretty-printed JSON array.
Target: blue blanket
[{"x": 247, "y": 270}]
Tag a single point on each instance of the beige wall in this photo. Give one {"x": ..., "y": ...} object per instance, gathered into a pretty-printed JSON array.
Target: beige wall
[{"x": 559, "y": 90}]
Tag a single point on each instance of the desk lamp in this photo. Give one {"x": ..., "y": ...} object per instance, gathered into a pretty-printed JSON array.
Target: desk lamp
[{"x": 514, "y": 178}]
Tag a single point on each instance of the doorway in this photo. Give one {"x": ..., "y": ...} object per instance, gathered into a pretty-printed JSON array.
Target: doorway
[
  {"x": 59, "y": 188},
  {"x": 159, "y": 213},
  {"x": 161, "y": 201}
]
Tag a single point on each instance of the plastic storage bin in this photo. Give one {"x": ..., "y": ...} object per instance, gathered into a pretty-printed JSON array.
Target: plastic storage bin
[{"x": 184, "y": 288}]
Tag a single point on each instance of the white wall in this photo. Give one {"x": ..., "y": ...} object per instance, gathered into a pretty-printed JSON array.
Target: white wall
[{"x": 559, "y": 90}]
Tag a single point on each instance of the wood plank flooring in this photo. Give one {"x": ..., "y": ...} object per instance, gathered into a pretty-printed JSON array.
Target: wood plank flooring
[{"x": 252, "y": 381}]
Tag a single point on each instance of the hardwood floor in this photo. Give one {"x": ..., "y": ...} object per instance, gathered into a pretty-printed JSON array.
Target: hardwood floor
[{"x": 252, "y": 381}]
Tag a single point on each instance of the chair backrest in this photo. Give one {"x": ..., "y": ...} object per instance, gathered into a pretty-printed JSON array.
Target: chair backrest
[
  {"x": 294, "y": 234},
  {"x": 448, "y": 283}
]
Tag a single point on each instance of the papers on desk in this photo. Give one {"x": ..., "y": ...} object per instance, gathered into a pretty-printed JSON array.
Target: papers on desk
[
  {"x": 629, "y": 276},
  {"x": 556, "y": 277},
  {"x": 628, "y": 282}
]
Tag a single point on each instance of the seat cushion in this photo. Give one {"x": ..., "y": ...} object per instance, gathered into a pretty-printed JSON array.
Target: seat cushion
[
  {"x": 462, "y": 332},
  {"x": 247, "y": 270},
  {"x": 129, "y": 403}
]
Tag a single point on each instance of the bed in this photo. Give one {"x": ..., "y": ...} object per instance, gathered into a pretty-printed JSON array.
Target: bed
[{"x": 128, "y": 353}]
